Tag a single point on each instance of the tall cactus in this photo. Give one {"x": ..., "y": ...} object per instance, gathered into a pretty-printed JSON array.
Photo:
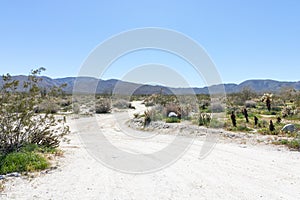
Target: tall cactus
[{"x": 267, "y": 98}]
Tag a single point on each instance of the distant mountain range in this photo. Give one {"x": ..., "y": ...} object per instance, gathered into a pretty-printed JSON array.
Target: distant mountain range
[{"x": 89, "y": 85}]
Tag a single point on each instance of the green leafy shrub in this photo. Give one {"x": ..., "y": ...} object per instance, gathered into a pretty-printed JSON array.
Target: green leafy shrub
[
  {"x": 172, "y": 120},
  {"x": 22, "y": 161}
]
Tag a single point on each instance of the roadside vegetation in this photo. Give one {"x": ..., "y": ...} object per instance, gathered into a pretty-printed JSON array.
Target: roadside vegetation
[
  {"x": 33, "y": 119},
  {"x": 246, "y": 111},
  {"x": 30, "y": 126}
]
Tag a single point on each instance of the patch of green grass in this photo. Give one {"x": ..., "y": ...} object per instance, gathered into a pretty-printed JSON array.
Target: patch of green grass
[
  {"x": 242, "y": 128},
  {"x": 266, "y": 131},
  {"x": 29, "y": 158},
  {"x": 172, "y": 120},
  {"x": 292, "y": 144},
  {"x": 38, "y": 149},
  {"x": 22, "y": 161}
]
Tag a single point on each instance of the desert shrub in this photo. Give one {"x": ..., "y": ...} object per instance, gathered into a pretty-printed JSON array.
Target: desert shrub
[
  {"x": 149, "y": 103},
  {"x": 185, "y": 110},
  {"x": 156, "y": 113},
  {"x": 243, "y": 128},
  {"x": 287, "y": 111},
  {"x": 65, "y": 103},
  {"x": 76, "y": 108},
  {"x": 217, "y": 107},
  {"x": 204, "y": 119},
  {"x": 147, "y": 118},
  {"x": 121, "y": 104},
  {"x": 250, "y": 104},
  {"x": 47, "y": 107},
  {"x": 171, "y": 107},
  {"x": 203, "y": 104},
  {"x": 103, "y": 106},
  {"x": 266, "y": 131},
  {"x": 216, "y": 123},
  {"x": 172, "y": 120},
  {"x": 292, "y": 144},
  {"x": 20, "y": 124}
]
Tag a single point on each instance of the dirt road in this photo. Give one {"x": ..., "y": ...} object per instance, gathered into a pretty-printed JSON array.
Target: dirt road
[{"x": 228, "y": 172}]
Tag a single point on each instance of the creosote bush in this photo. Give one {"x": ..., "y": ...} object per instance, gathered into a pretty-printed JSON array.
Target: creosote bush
[
  {"x": 19, "y": 123},
  {"x": 103, "y": 106},
  {"x": 121, "y": 104}
]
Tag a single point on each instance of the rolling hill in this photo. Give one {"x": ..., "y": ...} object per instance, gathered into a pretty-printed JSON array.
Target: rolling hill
[{"x": 89, "y": 84}]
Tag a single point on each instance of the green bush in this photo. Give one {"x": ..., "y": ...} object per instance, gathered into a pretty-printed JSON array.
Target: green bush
[
  {"x": 172, "y": 120},
  {"x": 22, "y": 161},
  {"x": 204, "y": 119}
]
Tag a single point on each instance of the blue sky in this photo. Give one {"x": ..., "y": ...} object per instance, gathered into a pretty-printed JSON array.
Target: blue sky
[{"x": 246, "y": 39}]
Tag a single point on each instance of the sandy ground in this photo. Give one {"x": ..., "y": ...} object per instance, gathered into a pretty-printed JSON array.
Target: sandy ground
[{"x": 228, "y": 172}]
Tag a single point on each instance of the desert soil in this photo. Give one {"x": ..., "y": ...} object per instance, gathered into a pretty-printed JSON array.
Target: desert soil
[{"x": 230, "y": 171}]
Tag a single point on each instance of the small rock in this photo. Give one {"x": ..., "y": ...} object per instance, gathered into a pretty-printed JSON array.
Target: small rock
[
  {"x": 289, "y": 128},
  {"x": 172, "y": 114},
  {"x": 2, "y": 177},
  {"x": 14, "y": 174}
]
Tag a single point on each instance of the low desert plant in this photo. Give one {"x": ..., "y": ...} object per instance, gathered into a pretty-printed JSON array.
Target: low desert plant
[
  {"x": 103, "y": 106},
  {"x": 216, "y": 107},
  {"x": 47, "y": 107},
  {"x": 147, "y": 118},
  {"x": 215, "y": 123},
  {"x": 292, "y": 144},
  {"x": 172, "y": 120},
  {"x": 171, "y": 107},
  {"x": 250, "y": 104},
  {"x": 76, "y": 108},
  {"x": 121, "y": 104},
  {"x": 22, "y": 161},
  {"x": 204, "y": 119}
]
